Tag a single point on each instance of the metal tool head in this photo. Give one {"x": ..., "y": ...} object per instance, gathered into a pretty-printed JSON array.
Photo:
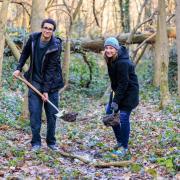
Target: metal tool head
[{"x": 60, "y": 113}]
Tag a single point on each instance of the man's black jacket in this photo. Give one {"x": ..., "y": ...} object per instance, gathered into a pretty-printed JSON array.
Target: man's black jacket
[
  {"x": 124, "y": 81},
  {"x": 51, "y": 66}
]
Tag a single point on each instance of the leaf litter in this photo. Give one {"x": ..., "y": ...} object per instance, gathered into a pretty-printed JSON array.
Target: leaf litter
[{"x": 154, "y": 148}]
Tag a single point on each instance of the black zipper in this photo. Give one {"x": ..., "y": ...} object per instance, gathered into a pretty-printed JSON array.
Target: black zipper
[
  {"x": 32, "y": 59},
  {"x": 47, "y": 52}
]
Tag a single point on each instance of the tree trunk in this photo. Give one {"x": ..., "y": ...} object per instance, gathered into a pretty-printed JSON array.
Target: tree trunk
[
  {"x": 178, "y": 40},
  {"x": 121, "y": 14},
  {"x": 3, "y": 21},
  {"x": 162, "y": 43},
  {"x": 37, "y": 14},
  {"x": 14, "y": 50},
  {"x": 18, "y": 16},
  {"x": 58, "y": 14},
  {"x": 126, "y": 16},
  {"x": 12, "y": 47},
  {"x": 98, "y": 44},
  {"x": 16, "y": 54},
  {"x": 67, "y": 55},
  {"x": 157, "y": 62},
  {"x": 73, "y": 12},
  {"x": 25, "y": 21}
]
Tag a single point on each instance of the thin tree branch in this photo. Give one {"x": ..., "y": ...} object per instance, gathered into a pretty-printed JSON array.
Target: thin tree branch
[
  {"x": 90, "y": 69},
  {"x": 23, "y": 2},
  {"x": 136, "y": 61},
  {"x": 50, "y": 2},
  {"x": 20, "y": 3},
  {"x": 150, "y": 37},
  {"x": 169, "y": 19},
  {"x": 77, "y": 9},
  {"x": 94, "y": 13},
  {"x": 137, "y": 24},
  {"x": 54, "y": 6},
  {"x": 65, "y": 4}
]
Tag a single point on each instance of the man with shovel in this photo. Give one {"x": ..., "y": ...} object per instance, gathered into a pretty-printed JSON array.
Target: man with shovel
[{"x": 44, "y": 74}]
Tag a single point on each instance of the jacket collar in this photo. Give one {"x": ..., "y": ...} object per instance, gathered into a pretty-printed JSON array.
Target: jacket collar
[{"x": 53, "y": 43}]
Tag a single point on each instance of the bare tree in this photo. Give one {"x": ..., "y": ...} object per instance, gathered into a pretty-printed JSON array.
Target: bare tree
[
  {"x": 3, "y": 21},
  {"x": 124, "y": 14},
  {"x": 72, "y": 12},
  {"x": 138, "y": 22},
  {"x": 178, "y": 40},
  {"x": 162, "y": 55},
  {"x": 37, "y": 14}
]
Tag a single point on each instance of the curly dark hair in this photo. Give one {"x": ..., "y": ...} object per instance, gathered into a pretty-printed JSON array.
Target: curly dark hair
[{"x": 50, "y": 21}]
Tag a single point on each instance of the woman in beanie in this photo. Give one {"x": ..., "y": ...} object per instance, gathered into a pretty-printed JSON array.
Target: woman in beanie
[{"x": 125, "y": 90}]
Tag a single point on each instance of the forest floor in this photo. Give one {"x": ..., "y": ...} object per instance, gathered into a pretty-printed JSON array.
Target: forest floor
[{"x": 153, "y": 147}]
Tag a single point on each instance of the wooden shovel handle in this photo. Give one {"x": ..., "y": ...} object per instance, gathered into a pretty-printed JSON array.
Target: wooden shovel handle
[
  {"x": 35, "y": 90},
  {"x": 30, "y": 85}
]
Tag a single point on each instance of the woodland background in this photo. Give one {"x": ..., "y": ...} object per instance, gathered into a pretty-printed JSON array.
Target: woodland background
[{"x": 150, "y": 29}]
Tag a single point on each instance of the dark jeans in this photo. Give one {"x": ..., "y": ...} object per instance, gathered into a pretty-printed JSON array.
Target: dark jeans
[
  {"x": 121, "y": 131},
  {"x": 35, "y": 109}
]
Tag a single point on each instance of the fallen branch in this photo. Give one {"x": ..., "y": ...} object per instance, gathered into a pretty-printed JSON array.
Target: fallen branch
[
  {"x": 115, "y": 164},
  {"x": 97, "y": 164},
  {"x": 14, "y": 50},
  {"x": 153, "y": 36},
  {"x": 145, "y": 41},
  {"x": 74, "y": 157},
  {"x": 137, "y": 24}
]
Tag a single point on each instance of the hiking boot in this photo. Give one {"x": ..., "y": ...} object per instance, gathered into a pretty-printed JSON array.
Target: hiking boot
[
  {"x": 117, "y": 146},
  {"x": 53, "y": 147},
  {"x": 121, "y": 152},
  {"x": 35, "y": 148}
]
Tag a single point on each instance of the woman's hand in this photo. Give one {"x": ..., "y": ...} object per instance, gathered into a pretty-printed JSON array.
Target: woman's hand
[{"x": 114, "y": 106}]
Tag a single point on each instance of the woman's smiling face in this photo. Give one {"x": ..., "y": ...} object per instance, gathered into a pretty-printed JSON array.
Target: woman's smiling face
[{"x": 110, "y": 51}]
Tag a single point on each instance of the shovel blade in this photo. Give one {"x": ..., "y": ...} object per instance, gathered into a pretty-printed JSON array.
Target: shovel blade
[{"x": 60, "y": 114}]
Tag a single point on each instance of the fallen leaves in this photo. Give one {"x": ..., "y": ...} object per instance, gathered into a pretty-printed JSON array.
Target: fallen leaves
[{"x": 87, "y": 145}]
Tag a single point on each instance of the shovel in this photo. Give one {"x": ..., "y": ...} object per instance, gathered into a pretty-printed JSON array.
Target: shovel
[{"x": 59, "y": 114}]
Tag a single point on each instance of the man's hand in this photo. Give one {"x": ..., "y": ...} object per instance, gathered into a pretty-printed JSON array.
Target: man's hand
[
  {"x": 45, "y": 98},
  {"x": 16, "y": 73},
  {"x": 114, "y": 106}
]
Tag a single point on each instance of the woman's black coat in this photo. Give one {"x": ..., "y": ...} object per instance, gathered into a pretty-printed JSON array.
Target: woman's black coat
[{"x": 124, "y": 81}]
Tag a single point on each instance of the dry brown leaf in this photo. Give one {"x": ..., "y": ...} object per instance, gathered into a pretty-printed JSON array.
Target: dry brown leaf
[{"x": 4, "y": 127}]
